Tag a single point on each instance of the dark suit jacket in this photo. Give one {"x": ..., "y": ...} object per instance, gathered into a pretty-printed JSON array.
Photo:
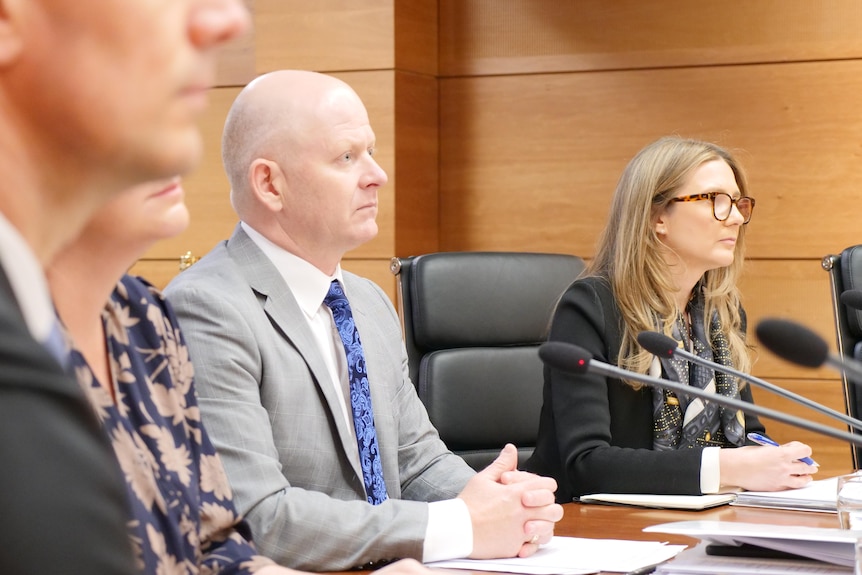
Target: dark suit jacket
[
  {"x": 596, "y": 433},
  {"x": 62, "y": 500}
]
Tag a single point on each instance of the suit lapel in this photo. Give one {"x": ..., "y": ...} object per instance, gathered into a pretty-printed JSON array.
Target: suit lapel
[
  {"x": 285, "y": 314},
  {"x": 6, "y": 294}
]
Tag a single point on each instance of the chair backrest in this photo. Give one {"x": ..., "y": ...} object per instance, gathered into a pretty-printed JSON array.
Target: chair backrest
[
  {"x": 845, "y": 273},
  {"x": 472, "y": 325}
]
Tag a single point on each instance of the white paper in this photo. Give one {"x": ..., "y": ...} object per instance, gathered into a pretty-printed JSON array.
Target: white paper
[
  {"x": 832, "y": 545},
  {"x": 695, "y": 561},
  {"x": 575, "y": 556},
  {"x": 819, "y": 495},
  {"x": 660, "y": 501}
]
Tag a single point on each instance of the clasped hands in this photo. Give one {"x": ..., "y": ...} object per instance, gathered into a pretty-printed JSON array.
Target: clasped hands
[{"x": 513, "y": 512}]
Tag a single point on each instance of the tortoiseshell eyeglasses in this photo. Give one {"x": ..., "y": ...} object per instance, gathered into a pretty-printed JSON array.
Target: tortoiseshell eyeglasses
[{"x": 722, "y": 204}]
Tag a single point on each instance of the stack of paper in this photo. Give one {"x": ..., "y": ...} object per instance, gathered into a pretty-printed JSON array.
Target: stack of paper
[
  {"x": 837, "y": 546},
  {"x": 692, "y": 502},
  {"x": 695, "y": 561},
  {"x": 818, "y": 495},
  {"x": 575, "y": 556}
]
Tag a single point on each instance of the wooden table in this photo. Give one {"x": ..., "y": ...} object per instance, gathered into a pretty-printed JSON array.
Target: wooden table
[{"x": 618, "y": 522}]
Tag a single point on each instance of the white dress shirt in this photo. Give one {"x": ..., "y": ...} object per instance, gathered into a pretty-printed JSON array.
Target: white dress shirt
[
  {"x": 710, "y": 470},
  {"x": 449, "y": 533},
  {"x": 27, "y": 278}
]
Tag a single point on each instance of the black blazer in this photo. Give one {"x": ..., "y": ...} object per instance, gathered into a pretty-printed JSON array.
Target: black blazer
[
  {"x": 596, "y": 433},
  {"x": 63, "y": 502}
]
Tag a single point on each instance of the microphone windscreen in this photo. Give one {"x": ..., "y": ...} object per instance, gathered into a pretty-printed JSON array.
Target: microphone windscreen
[
  {"x": 792, "y": 342},
  {"x": 657, "y": 343},
  {"x": 565, "y": 356},
  {"x": 852, "y": 298}
]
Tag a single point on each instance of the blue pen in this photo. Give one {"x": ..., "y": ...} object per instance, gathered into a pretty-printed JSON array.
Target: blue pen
[{"x": 763, "y": 440}]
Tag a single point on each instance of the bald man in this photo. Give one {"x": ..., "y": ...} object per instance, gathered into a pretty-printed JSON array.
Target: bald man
[
  {"x": 94, "y": 95},
  {"x": 272, "y": 370}
]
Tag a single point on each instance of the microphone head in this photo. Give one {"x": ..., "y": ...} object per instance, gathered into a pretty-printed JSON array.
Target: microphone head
[
  {"x": 657, "y": 343},
  {"x": 565, "y": 356},
  {"x": 852, "y": 298},
  {"x": 792, "y": 342}
]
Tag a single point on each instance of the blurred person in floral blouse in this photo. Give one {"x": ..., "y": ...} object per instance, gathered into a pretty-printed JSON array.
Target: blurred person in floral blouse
[{"x": 130, "y": 357}]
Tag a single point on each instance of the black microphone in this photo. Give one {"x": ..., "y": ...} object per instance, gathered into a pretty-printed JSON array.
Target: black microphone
[
  {"x": 798, "y": 344},
  {"x": 573, "y": 359},
  {"x": 852, "y": 298},
  {"x": 661, "y": 345}
]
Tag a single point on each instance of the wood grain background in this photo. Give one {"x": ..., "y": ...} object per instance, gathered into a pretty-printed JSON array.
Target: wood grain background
[{"x": 504, "y": 125}]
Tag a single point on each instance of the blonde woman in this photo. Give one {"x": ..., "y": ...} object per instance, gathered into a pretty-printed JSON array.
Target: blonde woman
[{"x": 668, "y": 260}]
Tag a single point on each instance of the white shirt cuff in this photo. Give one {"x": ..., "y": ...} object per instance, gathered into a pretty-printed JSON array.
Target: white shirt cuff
[
  {"x": 710, "y": 470},
  {"x": 449, "y": 534}
]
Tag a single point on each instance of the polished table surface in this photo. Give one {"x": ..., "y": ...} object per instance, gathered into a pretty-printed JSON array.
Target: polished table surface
[{"x": 619, "y": 522}]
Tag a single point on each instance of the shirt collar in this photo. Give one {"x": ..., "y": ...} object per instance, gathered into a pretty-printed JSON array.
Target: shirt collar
[
  {"x": 27, "y": 278},
  {"x": 308, "y": 284}
]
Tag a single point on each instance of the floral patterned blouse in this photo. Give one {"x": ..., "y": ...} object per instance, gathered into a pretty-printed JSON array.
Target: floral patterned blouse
[{"x": 183, "y": 518}]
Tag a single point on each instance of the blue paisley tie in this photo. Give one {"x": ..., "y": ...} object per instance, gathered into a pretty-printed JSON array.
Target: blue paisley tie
[{"x": 360, "y": 394}]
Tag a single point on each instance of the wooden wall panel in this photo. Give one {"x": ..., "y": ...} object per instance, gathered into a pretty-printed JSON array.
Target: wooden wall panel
[
  {"x": 324, "y": 35},
  {"x": 482, "y": 37},
  {"x": 416, "y": 144},
  {"x": 377, "y": 270},
  {"x": 207, "y": 189},
  {"x": 529, "y": 162},
  {"x": 236, "y": 63},
  {"x": 416, "y": 33},
  {"x": 161, "y": 272},
  {"x": 336, "y": 35},
  {"x": 790, "y": 289}
]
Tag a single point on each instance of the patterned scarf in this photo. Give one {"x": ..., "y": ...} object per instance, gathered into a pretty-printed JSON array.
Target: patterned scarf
[{"x": 682, "y": 422}]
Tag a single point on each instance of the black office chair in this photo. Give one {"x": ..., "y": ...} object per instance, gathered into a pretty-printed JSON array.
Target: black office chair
[
  {"x": 472, "y": 325},
  {"x": 845, "y": 273}
]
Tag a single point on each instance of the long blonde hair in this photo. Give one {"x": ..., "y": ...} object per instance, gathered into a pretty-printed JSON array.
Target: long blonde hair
[{"x": 630, "y": 254}]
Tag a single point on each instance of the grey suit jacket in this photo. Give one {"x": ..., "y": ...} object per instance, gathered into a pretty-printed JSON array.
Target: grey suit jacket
[{"x": 277, "y": 422}]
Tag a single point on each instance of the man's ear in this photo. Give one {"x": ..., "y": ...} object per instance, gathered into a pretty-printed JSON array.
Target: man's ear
[
  {"x": 11, "y": 35},
  {"x": 267, "y": 183}
]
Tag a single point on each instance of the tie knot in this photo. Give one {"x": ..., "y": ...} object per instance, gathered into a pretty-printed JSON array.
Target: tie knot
[{"x": 335, "y": 296}]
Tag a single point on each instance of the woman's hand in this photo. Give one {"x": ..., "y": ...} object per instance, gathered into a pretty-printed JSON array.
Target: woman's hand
[{"x": 766, "y": 468}]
